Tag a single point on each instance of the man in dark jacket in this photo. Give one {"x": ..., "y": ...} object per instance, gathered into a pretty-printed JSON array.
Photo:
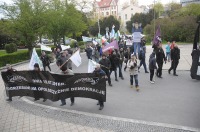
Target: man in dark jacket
[
  {"x": 175, "y": 56},
  {"x": 160, "y": 58},
  {"x": 101, "y": 74},
  {"x": 105, "y": 65},
  {"x": 114, "y": 63},
  {"x": 121, "y": 55},
  {"x": 63, "y": 64},
  {"x": 88, "y": 51},
  {"x": 152, "y": 66},
  {"x": 142, "y": 57},
  {"x": 45, "y": 61}
]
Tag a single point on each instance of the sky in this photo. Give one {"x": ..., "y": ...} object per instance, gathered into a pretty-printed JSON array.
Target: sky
[{"x": 141, "y": 2}]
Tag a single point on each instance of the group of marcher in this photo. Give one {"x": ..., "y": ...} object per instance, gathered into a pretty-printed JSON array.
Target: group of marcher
[{"x": 113, "y": 60}]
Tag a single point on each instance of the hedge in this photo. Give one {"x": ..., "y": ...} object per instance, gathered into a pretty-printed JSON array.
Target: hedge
[
  {"x": 16, "y": 57},
  {"x": 10, "y": 48}
]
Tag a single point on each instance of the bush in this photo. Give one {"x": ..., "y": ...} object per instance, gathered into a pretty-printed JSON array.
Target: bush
[
  {"x": 80, "y": 43},
  {"x": 10, "y": 48}
]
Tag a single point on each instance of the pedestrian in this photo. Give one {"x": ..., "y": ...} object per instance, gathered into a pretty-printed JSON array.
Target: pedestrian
[
  {"x": 9, "y": 70},
  {"x": 167, "y": 47},
  {"x": 152, "y": 66},
  {"x": 101, "y": 74},
  {"x": 37, "y": 69},
  {"x": 121, "y": 60},
  {"x": 96, "y": 55},
  {"x": 57, "y": 53},
  {"x": 142, "y": 58},
  {"x": 175, "y": 56},
  {"x": 45, "y": 61},
  {"x": 88, "y": 51},
  {"x": 172, "y": 45},
  {"x": 133, "y": 70},
  {"x": 114, "y": 63},
  {"x": 62, "y": 63},
  {"x": 105, "y": 66},
  {"x": 127, "y": 56},
  {"x": 160, "y": 58}
]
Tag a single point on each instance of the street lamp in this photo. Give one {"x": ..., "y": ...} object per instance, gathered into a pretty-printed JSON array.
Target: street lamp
[{"x": 154, "y": 16}]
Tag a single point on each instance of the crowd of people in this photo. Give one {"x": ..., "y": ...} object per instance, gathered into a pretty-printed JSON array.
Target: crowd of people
[{"x": 113, "y": 60}]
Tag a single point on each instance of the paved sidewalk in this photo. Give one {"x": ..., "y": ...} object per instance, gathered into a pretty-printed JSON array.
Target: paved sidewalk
[{"x": 24, "y": 115}]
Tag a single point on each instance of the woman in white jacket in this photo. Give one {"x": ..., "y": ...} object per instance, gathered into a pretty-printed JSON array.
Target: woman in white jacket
[{"x": 133, "y": 70}]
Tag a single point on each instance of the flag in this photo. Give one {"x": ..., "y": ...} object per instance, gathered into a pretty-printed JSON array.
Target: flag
[
  {"x": 45, "y": 48},
  {"x": 86, "y": 39},
  {"x": 112, "y": 45},
  {"x": 91, "y": 66},
  {"x": 34, "y": 59},
  {"x": 157, "y": 37},
  {"x": 76, "y": 58},
  {"x": 65, "y": 47}
]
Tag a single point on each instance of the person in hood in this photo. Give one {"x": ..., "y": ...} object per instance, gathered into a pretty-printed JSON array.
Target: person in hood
[{"x": 152, "y": 66}]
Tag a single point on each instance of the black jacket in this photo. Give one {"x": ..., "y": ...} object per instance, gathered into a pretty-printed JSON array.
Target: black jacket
[
  {"x": 152, "y": 62},
  {"x": 160, "y": 55},
  {"x": 105, "y": 64},
  {"x": 175, "y": 54},
  {"x": 45, "y": 60}
]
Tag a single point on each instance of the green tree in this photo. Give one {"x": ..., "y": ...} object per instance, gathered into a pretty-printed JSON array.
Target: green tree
[
  {"x": 159, "y": 8},
  {"x": 105, "y": 22}
]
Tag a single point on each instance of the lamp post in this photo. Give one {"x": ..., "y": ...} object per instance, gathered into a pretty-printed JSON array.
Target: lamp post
[{"x": 154, "y": 16}]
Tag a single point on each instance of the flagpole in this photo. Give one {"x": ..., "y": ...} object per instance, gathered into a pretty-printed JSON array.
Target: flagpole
[{"x": 67, "y": 60}]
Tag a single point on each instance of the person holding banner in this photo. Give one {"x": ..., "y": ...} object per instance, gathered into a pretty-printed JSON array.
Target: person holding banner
[
  {"x": 9, "y": 70},
  {"x": 105, "y": 65},
  {"x": 101, "y": 74},
  {"x": 45, "y": 61},
  {"x": 62, "y": 63}
]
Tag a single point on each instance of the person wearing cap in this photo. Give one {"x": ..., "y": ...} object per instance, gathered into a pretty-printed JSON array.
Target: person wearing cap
[
  {"x": 62, "y": 63},
  {"x": 160, "y": 58},
  {"x": 152, "y": 66},
  {"x": 133, "y": 71},
  {"x": 101, "y": 74},
  {"x": 45, "y": 61},
  {"x": 105, "y": 65},
  {"x": 9, "y": 70}
]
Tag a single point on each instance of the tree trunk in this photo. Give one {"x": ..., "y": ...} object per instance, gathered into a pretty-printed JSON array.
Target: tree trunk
[{"x": 64, "y": 40}]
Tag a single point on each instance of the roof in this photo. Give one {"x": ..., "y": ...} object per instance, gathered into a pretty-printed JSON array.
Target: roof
[{"x": 105, "y": 3}]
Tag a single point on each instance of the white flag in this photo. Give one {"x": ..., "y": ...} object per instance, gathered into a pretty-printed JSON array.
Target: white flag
[
  {"x": 34, "y": 59},
  {"x": 45, "y": 48},
  {"x": 65, "y": 47},
  {"x": 76, "y": 58},
  {"x": 86, "y": 39},
  {"x": 91, "y": 66}
]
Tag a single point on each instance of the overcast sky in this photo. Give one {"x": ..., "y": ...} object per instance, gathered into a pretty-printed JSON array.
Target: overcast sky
[{"x": 141, "y": 2}]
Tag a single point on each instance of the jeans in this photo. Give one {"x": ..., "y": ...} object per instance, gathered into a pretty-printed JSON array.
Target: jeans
[
  {"x": 120, "y": 70},
  {"x": 115, "y": 72},
  {"x": 151, "y": 74},
  {"x": 174, "y": 65},
  {"x": 64, "y": 102},
  {"x": 142, "y": 62},
  {"x": 159, "y": 71},
  {"x": 44, "y": 66},
  {"x": 136, "y": 79},
  {"x": 168, "y": 56},
  {"x": 136, "y": 48}
]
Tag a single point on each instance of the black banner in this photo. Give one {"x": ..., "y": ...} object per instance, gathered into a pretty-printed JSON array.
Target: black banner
[
  {"x": 195, "y": 64},
  {"x": 54, "y": 86}
]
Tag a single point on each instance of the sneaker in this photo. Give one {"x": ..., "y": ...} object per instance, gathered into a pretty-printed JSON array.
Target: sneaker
[
  {"x": 101, "y": 107},
  {"x": 137, "y": 88},
  {"x": 116, "y": 80},
  {"x": 63, "y": 104},
  {"x": 9, "y": 100},
  {"x": 122, "y": 78},
  {"x": 152, "y": 82},
  {"x": 175, "y": 75},
  {"x": 169, "y": 71},
  {"x": 131, "y": 86},
  {"x": 146, "y": 72},
  {"x": 72, "y": 103}
]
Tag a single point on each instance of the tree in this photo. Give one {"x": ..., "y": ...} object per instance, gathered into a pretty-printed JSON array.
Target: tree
[
  {"x": 159, "y": 8},
  {"x": 105, "y": 22},
  {"x": 142, "y": 18}
]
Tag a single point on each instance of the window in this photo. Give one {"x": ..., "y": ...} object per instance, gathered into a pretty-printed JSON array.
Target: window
[
  {"x": 107, "y": 13},
  {"x": 125, "y": 16},
  {"x": 115, "y": 12},
  {"x": 102, "y": 14}
]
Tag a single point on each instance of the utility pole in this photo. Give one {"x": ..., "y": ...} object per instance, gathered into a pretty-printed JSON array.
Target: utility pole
[{"x": 154, "y": 15}]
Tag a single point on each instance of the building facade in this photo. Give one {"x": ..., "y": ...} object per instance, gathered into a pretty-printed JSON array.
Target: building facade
[
  {"x": 128, "y": 12},
  {"x": 105, "y": 8},
  {"x": 186, "y": 2}
]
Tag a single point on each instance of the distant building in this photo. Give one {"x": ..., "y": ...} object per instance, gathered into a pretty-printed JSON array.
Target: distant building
[
  {"x": 128, "y": 12},
  {"x": 186, "y": 2},
  {"x": 105, "y": 8}
]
